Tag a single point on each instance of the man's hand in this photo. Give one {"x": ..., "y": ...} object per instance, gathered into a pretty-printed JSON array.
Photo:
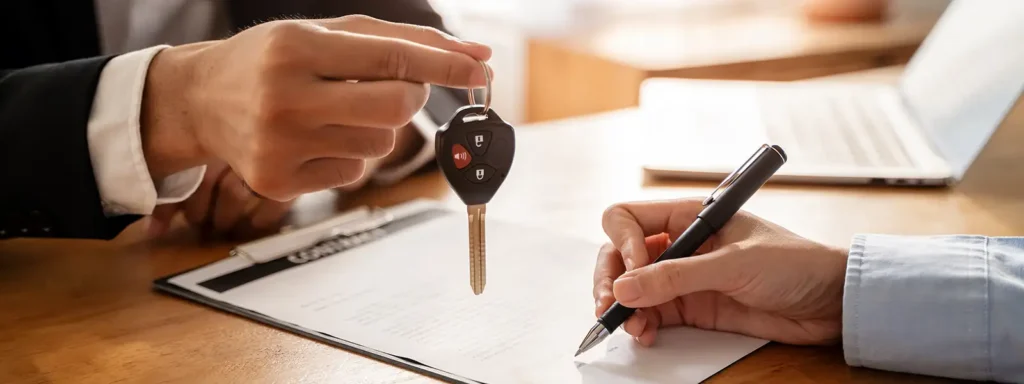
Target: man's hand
[
  {"x": 223, "y": 207},
  {"x": 297, "y": 106},
  {"x": 408, "y": 141},
  {"x": 753, "y": 277}
]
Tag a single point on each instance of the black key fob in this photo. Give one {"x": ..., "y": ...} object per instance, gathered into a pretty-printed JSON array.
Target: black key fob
[{"x": 475, "y": 153}]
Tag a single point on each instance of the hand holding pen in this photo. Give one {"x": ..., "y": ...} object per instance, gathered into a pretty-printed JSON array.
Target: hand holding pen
[{"x": 746, "y": 275}]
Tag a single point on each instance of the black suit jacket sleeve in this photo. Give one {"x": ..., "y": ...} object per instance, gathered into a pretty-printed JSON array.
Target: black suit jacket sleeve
[{"x": 47, "y": 186}]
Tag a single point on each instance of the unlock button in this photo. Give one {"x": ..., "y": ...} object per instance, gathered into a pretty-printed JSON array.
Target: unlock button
[
  {"x": 479, "y": 141},
  {"x": 480, "y": 173}
]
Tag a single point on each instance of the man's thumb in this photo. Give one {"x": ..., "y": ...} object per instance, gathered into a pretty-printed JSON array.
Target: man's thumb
[
  {"x": 161, "y": 219},
  {"x": 661, "y": 282}
]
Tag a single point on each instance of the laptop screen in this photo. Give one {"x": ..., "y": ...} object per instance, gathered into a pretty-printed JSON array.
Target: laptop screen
[{"x": 966, "y": 76}]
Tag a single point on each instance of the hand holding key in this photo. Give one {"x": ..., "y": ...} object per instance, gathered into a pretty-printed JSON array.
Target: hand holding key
[
  {"x": 475, "y": 151},
  {"x": 297, "y": 106}
]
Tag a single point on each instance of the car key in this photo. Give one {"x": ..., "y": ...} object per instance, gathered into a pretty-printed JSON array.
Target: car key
[{"x": 474, "y": 151}]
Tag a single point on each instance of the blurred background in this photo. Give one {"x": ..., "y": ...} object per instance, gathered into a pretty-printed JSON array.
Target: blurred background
[{"x": 548, "y": 52}]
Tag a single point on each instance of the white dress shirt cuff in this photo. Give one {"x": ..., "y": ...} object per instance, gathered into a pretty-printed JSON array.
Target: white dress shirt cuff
[
  {"x": 427, "y": 128},
  {"x": 115, "y": 142}
]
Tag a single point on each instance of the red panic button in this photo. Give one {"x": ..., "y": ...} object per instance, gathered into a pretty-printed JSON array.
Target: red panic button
[{"x": 461, "y": 156}]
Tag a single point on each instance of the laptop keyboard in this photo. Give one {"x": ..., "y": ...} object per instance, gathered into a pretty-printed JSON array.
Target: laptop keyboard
[{"x": 833, "y": 129}]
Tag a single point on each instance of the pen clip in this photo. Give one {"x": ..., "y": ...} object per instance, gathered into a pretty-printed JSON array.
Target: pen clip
[{"x": 729, "y": 180}]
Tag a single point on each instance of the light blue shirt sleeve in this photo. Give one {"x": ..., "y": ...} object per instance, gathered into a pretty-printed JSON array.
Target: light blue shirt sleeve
[{"x": 949, "y": 306}]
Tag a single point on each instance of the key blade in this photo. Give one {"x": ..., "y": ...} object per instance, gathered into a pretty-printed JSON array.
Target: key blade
[{"x": 477, "y": 248}]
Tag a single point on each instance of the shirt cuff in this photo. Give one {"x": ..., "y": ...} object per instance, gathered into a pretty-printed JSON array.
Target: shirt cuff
[
  {"x": 918, "y": 305},
  {"x": 428, "y": 129},
  {"x": 115, "y": 142}
]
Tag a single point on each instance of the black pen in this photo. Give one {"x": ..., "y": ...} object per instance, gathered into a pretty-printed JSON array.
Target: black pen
[{"x": 719, "y": 208}]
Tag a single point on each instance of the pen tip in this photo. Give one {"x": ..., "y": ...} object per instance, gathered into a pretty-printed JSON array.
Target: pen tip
[{"x": 597, "y": 334}]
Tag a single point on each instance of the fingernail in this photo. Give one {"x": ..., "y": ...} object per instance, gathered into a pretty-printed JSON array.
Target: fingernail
[
  {"x": 629, "y": 265},
  {"x": 628, "y": 289}
]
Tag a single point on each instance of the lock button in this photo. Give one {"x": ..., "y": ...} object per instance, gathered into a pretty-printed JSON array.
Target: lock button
[{"x": 480, "y": 173}]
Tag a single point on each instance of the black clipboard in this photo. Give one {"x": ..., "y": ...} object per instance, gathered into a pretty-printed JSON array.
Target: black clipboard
[{"x": 165, "y": 286}]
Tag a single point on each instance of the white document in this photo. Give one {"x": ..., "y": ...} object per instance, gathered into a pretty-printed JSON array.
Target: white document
[
  {"x": 407, "y": 294},
  {"x": 681, "y": 355}
]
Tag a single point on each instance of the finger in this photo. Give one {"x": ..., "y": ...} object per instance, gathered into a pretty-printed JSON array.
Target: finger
[
  {"x": 415, "y": 33},
  {"x": 650, "y": 332},
  {"x": 669, "y": 312},
  {"x": 379, "y": 104},
  {"x": 372, "y": 165},
  {"x": 245, "y": 229},
  {"x": 628, "y": 224},
  {"x": 658, "y": 283},
  {"x": 349, "y": 56},
  {"x": 654, "y": 246},
  {"x": 326, "y": 173},
  {"x": 198, "y": 205},
  {"x": 343, "y": 142},
  {"x": 269, "y": 214},
  {"x": 608, "y": 268},
  {"x": 635, "y": 324},
  {"x": 161, "y": 219},
  {"x": 232, "y": 199}
]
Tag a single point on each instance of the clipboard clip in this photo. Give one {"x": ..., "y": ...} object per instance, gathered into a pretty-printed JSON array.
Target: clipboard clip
[
  {"x": 273, "y": 247},
  {"x": 379, "y": 217}
]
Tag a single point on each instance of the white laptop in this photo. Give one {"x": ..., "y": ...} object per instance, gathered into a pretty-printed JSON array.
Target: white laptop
[{"x": 925, "y": 130}]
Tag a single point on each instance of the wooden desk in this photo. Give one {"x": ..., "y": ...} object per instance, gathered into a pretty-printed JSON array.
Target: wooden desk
[
  {"x": 597, "y": 65},
  {"x": 83, "y": 311}
]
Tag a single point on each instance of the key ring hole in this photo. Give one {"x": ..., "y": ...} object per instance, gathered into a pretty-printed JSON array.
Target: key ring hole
[
  {"x": 470, "y": 117},
  {"x": 487, "y": 95}
]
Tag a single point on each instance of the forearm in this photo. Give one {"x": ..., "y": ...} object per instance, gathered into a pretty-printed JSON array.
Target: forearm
[{"x": 945, "y": 306}]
